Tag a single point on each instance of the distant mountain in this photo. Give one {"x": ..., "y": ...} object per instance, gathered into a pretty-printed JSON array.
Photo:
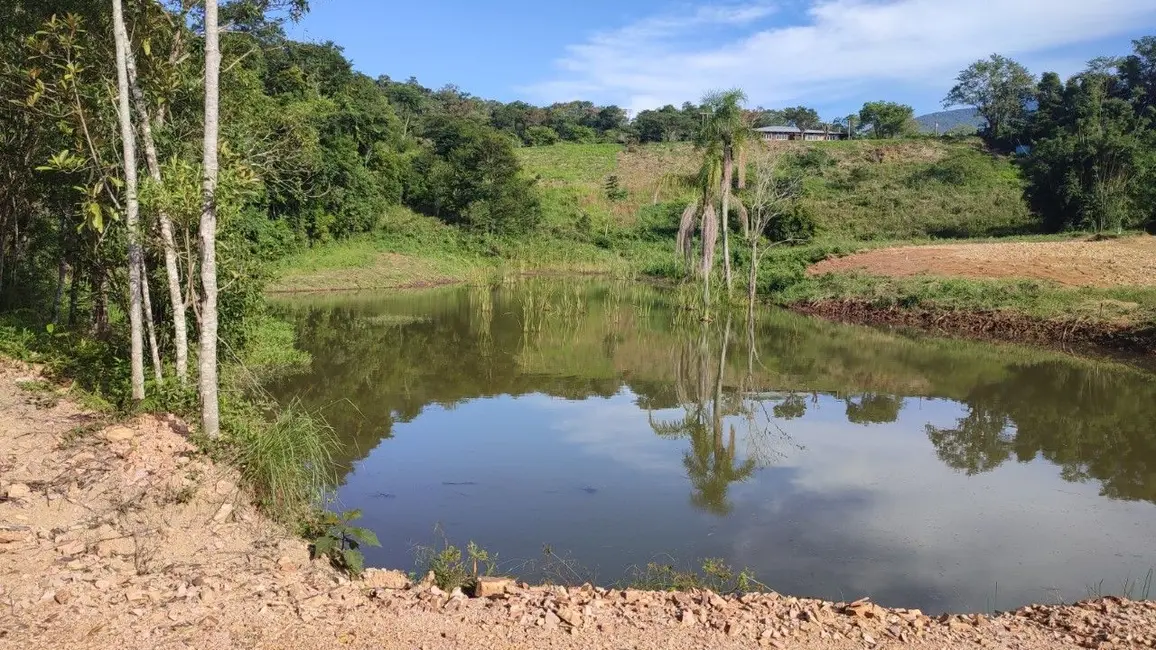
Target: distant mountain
[{"x": 948, "y": 120}]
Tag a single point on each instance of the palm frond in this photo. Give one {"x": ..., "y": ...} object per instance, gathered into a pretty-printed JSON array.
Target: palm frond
[
  {"x": 709, "y": 238},
  {"x": 683, "y": 244}
]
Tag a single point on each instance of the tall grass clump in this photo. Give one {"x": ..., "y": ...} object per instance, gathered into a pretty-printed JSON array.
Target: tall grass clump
[{"x": 284, "y": 454}]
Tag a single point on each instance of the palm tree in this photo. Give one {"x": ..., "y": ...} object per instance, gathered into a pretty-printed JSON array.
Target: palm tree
[
  {"x": 722, "y": 140},
  {"x": 723, "y": 137}
]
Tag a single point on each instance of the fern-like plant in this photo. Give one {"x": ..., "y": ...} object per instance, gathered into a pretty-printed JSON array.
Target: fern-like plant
[{"x": 341, "y": 542}]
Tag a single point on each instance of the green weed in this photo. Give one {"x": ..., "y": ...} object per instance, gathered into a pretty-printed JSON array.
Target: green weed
[
  {"x": 335, "y": 537},
  {"x": 450, "y": 569},
  {"x": 714, "y": 574}
]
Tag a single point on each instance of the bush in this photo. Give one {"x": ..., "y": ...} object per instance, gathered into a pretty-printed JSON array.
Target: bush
[{"x": 541, "y": 136}]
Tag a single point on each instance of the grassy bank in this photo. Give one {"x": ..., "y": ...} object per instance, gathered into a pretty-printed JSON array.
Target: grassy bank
[{"x": 412, "y": 250}]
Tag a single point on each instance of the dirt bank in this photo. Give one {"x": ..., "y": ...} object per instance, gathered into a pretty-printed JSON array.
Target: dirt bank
[
  {"x": 123, "y": 536},
  {"x": 1129, "y": 261},
  {"x": 1081, "y": 336}
]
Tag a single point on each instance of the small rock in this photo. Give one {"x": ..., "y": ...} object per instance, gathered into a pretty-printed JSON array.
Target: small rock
[
  {"x": 118, "y": 434},
  {"x": 115, "y": 546},
  {"x": 552, "y": 621},
  {"x": 63, "y": 596},
  {"x": 381, "y": 579},
  {"x": 286, "y": 563},
  {"x": 570, "y": 616},
  {"x": 223, "y": 513},
  {"x": 9, "y": 536},
  {"x": 868, "y": 639},
  {"x": 18, "y": 491},
  {"x": 686, "y": 618},
  {"x": 492, "y": 587}
]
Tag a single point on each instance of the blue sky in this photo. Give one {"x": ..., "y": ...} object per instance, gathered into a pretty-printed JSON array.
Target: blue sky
[{"x": 830, "y": 54}]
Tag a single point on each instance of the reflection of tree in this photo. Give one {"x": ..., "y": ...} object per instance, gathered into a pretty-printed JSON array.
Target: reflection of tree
[
  {"x": 710, "y": 462},
  {"x": 873, "y": 408},
  {"x": 977, "y": 444},
  {"x": 1092, "y": 422},
  {"x": 792, "y": 407},
  {"x": 381, "y": 362}
]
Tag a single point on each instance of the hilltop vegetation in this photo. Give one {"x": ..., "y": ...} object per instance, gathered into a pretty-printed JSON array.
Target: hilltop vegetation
[{"x": 857, "y": 190}]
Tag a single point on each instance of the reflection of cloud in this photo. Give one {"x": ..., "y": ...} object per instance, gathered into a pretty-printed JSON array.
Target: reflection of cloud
[
  {"x": 615, "y": 428},
  {"x": 881, "y": 511}
]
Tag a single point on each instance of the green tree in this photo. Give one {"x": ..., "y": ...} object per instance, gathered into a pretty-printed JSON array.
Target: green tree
[
  {"x": 999, "y": 88},
  {"x": 887, "y": 119},
  {"x": 802, "y": 117}
]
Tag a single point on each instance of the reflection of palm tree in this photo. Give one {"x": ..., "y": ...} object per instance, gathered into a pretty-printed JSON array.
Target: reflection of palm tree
[
  {"x": 710, "y": 464},
  {"x": 711, "y": 468}
]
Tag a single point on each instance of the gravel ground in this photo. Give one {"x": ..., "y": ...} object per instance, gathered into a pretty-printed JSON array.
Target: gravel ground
[
  {"x": 1128, "y": 261},
  {"x": 123, "y": 536}
]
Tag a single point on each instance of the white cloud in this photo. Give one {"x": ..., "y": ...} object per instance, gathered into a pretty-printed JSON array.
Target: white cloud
[{"x": 837, "y": 47}]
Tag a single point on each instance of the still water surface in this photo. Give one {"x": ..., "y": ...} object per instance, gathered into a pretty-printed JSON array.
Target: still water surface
[{"x": 833, "y": 461}]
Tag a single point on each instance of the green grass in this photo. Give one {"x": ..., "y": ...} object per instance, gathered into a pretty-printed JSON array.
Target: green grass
[
  {"x": 1126, "y": 306},
  {"x": 284, "y": 454},
  {"x": 413, "y": 250}
]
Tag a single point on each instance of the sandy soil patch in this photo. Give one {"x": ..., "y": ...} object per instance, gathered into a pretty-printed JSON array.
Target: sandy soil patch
[
  {"x": 1129, "y": 261},
  {"x": 123, "y": 536}
]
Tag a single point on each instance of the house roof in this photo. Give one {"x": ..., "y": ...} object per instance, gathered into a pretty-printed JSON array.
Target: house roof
[{"x": 788, "y": 129}]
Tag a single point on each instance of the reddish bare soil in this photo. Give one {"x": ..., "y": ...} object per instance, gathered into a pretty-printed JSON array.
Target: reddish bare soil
[
  {"x": 1129, "y": 261},
  {"x": 123, "y": 536}
]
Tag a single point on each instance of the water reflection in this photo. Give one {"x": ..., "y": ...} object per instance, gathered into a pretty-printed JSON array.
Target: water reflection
[{"x": 833, "y": 460}]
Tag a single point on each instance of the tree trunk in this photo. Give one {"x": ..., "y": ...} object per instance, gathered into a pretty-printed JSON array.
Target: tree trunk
[
  {"x": 727, "y": 179},
  {"x": 58, "y": 299},
  {"x": 74, "y": 291},
  {"x": 3, "y": 259},
  {"x": 132, "y": 211},
  {"x": 99, "y": 283},
  {"x": 152, "y": 329},
  {"x": 210, "y": 413},
  {"x": 753, "y": 274},
  {"x": 172, "y": 271}
]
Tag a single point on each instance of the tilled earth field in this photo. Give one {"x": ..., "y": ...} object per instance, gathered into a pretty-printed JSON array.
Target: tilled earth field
[{"x": 1127, "y": 261}]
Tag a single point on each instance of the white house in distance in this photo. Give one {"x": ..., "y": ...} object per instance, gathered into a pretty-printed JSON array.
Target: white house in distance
[{"x": 794, "y": 133}]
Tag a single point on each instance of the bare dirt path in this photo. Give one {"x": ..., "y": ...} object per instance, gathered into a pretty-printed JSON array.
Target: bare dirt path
[
  {"x": 1128, "y": 261},
  {"x": 125, "y": 537}
]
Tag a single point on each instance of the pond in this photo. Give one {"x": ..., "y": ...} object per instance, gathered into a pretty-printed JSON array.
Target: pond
[{"x": 582, "y": 430}]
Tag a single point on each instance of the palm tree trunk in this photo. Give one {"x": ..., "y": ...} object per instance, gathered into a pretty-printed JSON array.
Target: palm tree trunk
[
  {"x": 132, "y": 210},
  {"x": 180, "y": 328},
  {"x": 210, "y": 407},
  {"x": 727, "y": 178}
]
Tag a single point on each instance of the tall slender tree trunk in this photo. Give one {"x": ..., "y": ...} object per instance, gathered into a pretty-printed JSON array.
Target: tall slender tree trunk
[
  {"x": 3, "y": 258},
  {"x": 727, "y": 180},
  {"x": 753, "y": 273},
  {"x": 99, "y": 282},
  {"x": 74, "y": 291},
  {"x": 172, "y": 271},
  {"x": 210, "y": 408},
  {"x": 61, "y": 272},
  {"x": 152, "y": 328},
  {"x": 132, "y": 208}
]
